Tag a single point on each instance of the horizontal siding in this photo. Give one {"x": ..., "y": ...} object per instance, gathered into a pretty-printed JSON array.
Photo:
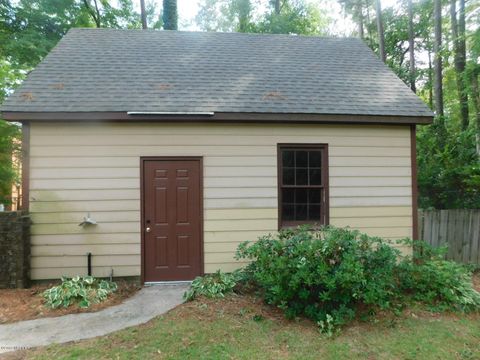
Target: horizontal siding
[
  {"x": 76, "y": 217},
  {"x": 217, "y": 193},
  {"x": 100, "y": 271},
  {"x": 73, "y": 228},
  {"x": 130, "y": 129},
  {"x": 61, "y": 179},
  {"x": 80, "y": 260},
  {"x": 231, "y": 266},
  {"x": 132, "y": 142},
  {"x": 213, "y": 237},
  {"x": 213, "y": 182},
  {"x": 86, "y": 238},
  {"x": 38, "y": 206},
  {"x": 121, "y": 168},
  {"x": 172, "y": 148},
  {"x": 80, "y": 168},
  {"x": 79, "y": 250}
]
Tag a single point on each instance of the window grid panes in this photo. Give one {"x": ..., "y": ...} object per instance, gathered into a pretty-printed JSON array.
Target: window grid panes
[{"x": 301, "y": 185}]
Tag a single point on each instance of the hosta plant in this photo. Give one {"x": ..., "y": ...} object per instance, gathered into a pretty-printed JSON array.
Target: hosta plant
[
  {"x": 214, "y": 285},
  {"x": 83, "y": 291}
]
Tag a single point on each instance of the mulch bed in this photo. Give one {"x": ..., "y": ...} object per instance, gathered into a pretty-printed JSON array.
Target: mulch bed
[
  {"x": 250, "y": 306},
  {"x": 27, "y": 304}
]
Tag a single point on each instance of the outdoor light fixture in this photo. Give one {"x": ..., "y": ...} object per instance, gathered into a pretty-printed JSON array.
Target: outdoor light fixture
[{"x": 87, "y": 220}]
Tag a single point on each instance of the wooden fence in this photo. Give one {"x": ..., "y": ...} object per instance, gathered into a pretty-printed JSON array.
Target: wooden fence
[{"x": 458, "y": 229}]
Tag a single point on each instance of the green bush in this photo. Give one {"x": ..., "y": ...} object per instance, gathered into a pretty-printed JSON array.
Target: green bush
[
  {"x": 324, "y": 275},
  {"x": 212, "y": 285},
  {"x": 441, "y": 284},
  {"x": 332, "y": 275},
  {"x": 78, "y": 290}
]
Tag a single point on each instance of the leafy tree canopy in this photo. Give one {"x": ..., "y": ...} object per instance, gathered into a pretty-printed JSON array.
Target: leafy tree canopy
[{"x": 295, "y": 17}]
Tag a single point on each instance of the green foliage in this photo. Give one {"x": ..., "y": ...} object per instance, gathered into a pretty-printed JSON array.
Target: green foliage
[
  {"x": 324, "y": 273},
  {"x": 449, "y": 169},
  {"x": 432, "y": 280},
  {"x": 295, "y": 17},
  {"x": 214, "y": 285},
  {"x": 328, "y": 326},
  {"x": 9, "y": 145},
  {"x": 83, "y": 291},
  {"x": 333, "y": 275},
  {"x": 32, "y": 28}
]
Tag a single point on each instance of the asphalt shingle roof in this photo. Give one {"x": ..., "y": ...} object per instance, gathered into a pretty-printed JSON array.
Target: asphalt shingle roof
[{"x": 104, "y": 70}]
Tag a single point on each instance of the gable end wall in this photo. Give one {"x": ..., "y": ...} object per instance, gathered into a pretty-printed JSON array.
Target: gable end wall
[{"x": 77, "y": 168}]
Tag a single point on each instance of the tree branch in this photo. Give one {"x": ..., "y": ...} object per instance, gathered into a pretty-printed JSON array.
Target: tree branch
[{"x": 95, "y": 14}]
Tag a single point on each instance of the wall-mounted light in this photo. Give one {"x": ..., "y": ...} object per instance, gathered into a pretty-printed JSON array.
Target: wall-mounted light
[{"x": 87, "y": 221}]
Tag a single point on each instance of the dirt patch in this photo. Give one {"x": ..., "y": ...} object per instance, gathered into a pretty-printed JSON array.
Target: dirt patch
[
  {"x": 27, "y": 304},
  {"x": 245, "y": 307},
  {"x": 234, "y": 304}
]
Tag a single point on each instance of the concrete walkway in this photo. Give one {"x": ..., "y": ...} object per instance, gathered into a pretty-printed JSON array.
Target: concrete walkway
[{"x": 142, "y": 307}]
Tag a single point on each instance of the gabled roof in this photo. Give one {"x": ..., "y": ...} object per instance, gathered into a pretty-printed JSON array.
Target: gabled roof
[{"x": 146, "y": 71}]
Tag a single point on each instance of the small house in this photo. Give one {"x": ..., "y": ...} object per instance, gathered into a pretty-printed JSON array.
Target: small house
[{"x": 170, "y": 148}]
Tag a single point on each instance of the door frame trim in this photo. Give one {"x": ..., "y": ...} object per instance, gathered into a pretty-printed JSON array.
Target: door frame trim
[{"x": 143, "y": 159}]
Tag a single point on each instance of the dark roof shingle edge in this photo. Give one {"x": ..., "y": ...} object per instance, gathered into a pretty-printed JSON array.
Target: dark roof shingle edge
[{"x": 216, "y": 117}]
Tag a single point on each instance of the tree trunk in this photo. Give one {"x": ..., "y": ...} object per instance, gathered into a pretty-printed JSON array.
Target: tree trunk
[
  {"x": 243, "y": 9},
  {"x": 411, "y": 46},
  {"x": 361, "y": 31},
  {"x": 462, "y": 45},
  {"x": 476, "y": 106},
  {"x": 94, "y": 13},
  {"x": 381, "y": 35},
  {"x": 143, "y": 14},
  {"x": 277, "y": 7},
  {"x": 437, "y": 60},
  {"x": 459, "y": 51},
  {"x": 367, "y": 22},
  {"x": 430, "y": 79},
  {"x": 170, "y": 15}
]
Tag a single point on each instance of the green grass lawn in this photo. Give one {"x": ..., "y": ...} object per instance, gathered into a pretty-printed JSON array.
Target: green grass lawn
[{"x": 240, "y": 327}]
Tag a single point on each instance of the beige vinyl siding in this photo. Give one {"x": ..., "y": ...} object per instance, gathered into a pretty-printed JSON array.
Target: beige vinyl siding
[{"x": 78, "y": 168}]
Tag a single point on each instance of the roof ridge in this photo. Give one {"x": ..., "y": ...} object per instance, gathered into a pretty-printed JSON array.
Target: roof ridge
[{"x": 233, "y": 33}]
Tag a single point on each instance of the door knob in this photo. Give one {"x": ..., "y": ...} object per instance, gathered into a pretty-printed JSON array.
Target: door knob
[{"x": 147, "y": 229}]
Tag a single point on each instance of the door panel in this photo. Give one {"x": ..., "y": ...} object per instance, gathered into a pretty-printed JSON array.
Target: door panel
[{"x": 172, "y": 219}]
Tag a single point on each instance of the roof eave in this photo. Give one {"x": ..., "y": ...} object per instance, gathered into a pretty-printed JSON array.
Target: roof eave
[{"x": 252, "y": 117}]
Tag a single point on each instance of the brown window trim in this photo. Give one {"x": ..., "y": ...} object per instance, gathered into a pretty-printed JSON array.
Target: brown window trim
[{"x": 325, "y": 209}]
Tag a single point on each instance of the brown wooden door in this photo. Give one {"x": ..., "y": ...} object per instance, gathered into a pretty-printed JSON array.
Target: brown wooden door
[{"x": 172, "y": 219}]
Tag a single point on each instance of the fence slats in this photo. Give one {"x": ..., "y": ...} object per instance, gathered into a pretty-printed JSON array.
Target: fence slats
[
  {"x": 458, "y": 229},
  {"x": 475, "y": 254}
]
